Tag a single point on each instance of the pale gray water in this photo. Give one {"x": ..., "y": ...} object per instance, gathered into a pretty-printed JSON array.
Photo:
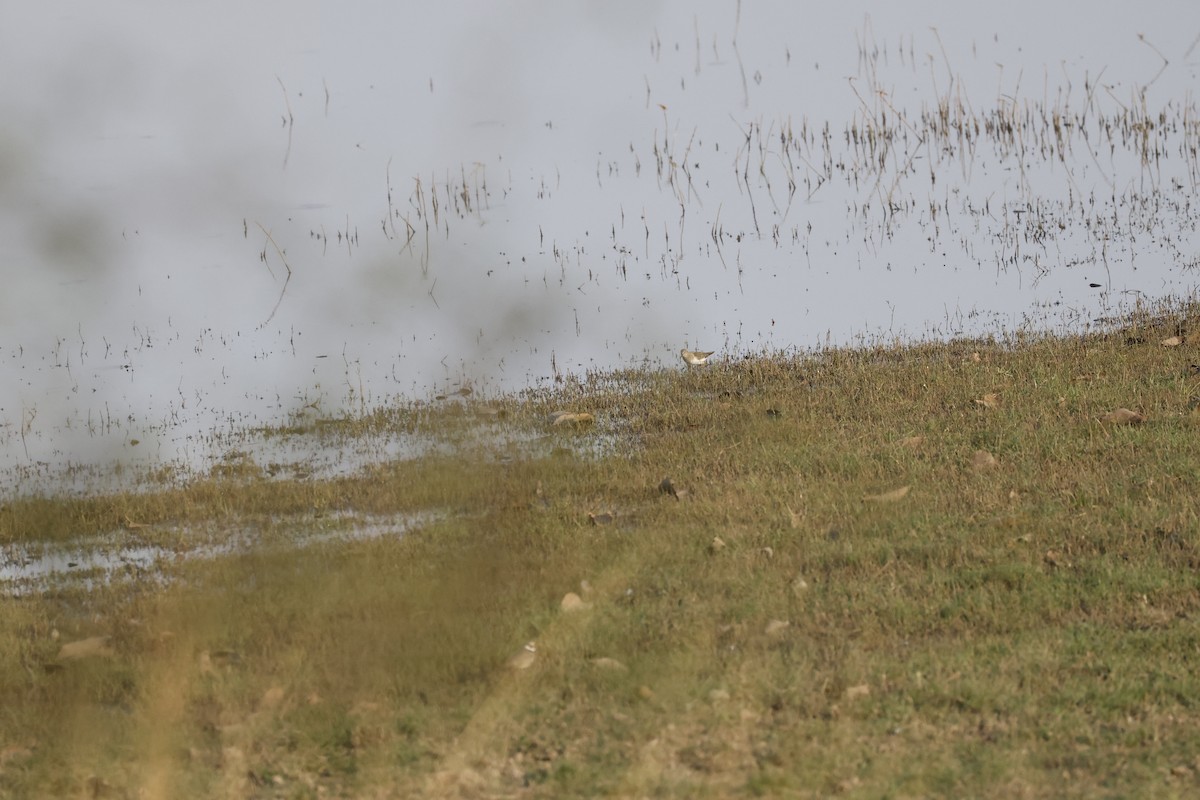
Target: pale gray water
[
  {"x": 39, "y": 567},
  {"x": 614, "y": 181}
]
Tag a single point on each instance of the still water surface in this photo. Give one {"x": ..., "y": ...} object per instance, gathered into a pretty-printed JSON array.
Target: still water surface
[{"x": 223, "y": 216}]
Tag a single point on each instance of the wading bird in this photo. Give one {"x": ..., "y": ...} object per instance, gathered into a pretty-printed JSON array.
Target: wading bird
[{"x": 694, "y": 358}]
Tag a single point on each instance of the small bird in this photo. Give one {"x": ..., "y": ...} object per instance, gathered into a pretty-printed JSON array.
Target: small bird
[
  {"x": 694, "y": 358},
  {"x": 524, "y": 657}
]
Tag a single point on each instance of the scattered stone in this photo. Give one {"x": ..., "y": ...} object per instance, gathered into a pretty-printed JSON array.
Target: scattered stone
[
  {"x": 717, "y": 545},
  {"x": 718, "y": 696},
  {"x": 799, "y": 585},
  {"x": 610, "y": 664},
  {"x": 768, "y": 553},
  {"x": 645, "y": 692},
  {"x": 1173, "y": 341}
]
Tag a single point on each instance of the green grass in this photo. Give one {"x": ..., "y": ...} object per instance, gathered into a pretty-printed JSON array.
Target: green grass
[{"x": 1025, "y": 628}]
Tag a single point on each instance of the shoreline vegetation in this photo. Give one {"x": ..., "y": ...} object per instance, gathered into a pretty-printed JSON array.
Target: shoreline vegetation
[{"x": 965, "y": 568}]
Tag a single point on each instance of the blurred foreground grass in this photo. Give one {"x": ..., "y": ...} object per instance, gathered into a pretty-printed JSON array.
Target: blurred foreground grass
[{"x": 928, "y": 570}]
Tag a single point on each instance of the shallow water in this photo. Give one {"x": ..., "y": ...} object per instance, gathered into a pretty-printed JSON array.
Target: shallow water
[
  {"x": 35, "y": 568},
  {"x": 221, "y": 218}
]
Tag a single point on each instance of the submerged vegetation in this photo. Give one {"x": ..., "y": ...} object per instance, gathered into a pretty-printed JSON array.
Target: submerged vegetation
[{"x": 930, "y": 569}]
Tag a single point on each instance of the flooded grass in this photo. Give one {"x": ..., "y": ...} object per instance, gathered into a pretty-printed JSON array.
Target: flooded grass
[
  {"x": 933, "y": 188},
  {"x": 929, "y": 569}
]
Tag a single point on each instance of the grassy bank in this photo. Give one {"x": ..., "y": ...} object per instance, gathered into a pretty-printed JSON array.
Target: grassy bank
[{"x": 910, "y": 571}]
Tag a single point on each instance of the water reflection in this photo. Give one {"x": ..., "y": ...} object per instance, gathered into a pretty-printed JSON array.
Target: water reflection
[
  {"x": 213, "y": 230},
  {"x": 37, "y": 568}
]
